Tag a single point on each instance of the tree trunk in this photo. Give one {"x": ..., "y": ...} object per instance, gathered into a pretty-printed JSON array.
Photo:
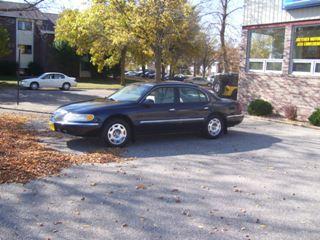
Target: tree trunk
[
  {"x": 194, "y": 69},
  {"x": 163, "y": 71},
  {"x": 204, "y": 69},
  {"x": 143, "y": 69},
  {"x": 225, "y": 64},
  {"x": 123, "y": 65},
  {"x": 158, "y": 63}
]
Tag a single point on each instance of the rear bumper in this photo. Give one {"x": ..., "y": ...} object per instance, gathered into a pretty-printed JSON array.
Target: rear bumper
[
  {"x": 76, "y": 129},
  {"x": 233, "y": 120}
]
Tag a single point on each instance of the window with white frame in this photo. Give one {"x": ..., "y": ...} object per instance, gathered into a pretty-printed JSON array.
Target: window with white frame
[
  {"x": 24, "y": 25},
  {"x": 306, "y": 50},
  {"x": 266, "y": 50}
]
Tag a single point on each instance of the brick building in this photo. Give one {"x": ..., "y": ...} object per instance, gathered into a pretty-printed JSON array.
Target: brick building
[
  {"x": 280, "y": 59},
  {"x": 32, "y": 31}
]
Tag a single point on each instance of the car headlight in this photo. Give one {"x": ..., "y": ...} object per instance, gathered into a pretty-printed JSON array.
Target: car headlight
[
  {"x": 60, "y": 111},
  {"x": 75, "y": 117}
]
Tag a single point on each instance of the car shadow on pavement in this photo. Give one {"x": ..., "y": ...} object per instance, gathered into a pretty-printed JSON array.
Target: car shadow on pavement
[{"x": 175, "y": 145}]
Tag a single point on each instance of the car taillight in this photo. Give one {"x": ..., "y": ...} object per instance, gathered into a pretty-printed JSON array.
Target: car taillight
[{"x": 239, "y": 107}]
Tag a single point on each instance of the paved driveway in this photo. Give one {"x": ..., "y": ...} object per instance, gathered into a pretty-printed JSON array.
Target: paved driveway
[
  {"x": 46, "y": 100},
  {"x": 261, "y": 181}
]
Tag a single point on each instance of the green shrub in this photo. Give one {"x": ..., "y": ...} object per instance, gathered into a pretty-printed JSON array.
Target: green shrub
[
  {"x": 8, "y": 68},
  {"x": 314, "y": 119},
  {"x": 260, "y": 107},
  {"x": 34, "y": 69}
]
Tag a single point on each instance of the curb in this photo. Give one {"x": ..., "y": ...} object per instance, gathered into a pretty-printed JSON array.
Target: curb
[
  {"x": 25, "y": 110},
  {"x": 288, "y": 122}
]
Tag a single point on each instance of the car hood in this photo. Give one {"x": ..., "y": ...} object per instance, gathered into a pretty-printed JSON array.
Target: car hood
[{"x": 94, "y": 105}]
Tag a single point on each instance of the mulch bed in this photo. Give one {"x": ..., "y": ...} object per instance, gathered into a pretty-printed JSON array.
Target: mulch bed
[{"x": 23, "y": 157}]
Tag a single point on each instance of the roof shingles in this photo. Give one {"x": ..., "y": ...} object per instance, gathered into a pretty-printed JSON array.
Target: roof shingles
[{"x": 32, "y": 13}]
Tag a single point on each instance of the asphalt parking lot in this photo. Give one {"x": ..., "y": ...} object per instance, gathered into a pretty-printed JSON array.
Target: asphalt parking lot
[
  {"x": 261, "y": 181},
  {"x": 46, "y": 101}
]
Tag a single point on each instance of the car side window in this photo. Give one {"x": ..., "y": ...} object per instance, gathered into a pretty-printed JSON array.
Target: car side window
[
  {"x": 190, "y": 95},
  {"x": 163, "y": 95},
  {"x": 56, "y": 76},
  {"x": 48, "y": 76}
]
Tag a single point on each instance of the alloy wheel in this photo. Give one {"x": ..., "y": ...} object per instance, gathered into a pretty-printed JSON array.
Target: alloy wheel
[
  {"x": 117, "y": 134},
  {"x": 214, "y": 127}
]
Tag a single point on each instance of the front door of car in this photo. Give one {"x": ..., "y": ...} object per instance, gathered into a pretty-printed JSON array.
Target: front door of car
[
  {"x": 192, "y": 109},
  {"x": 46, "y": 81},
  {"x": 157, "y": 113}
]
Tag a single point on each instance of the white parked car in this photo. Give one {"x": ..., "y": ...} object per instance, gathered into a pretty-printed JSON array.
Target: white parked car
[
  {"x": 50, "y": 80},
  {"x": 131, "y": 74}
]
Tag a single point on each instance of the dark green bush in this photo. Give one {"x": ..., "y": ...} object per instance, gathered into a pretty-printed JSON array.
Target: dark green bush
[
  {"x": 314, "y": 119},
  {"x": 8, "y": 68},
  {"x": 34, "y": 69},
  {"x": 260, "y": 107}
]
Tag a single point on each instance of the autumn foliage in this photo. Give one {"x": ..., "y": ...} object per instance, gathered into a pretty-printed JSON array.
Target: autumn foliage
[{"x": 23, "y": 157}]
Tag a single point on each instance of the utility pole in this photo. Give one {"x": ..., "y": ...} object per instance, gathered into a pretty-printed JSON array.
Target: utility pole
[{"x": 18, "y": 77}]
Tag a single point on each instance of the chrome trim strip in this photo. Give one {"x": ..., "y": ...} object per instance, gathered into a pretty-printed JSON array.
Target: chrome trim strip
[
  {"x": 173, "y": 120},
  {"x": 235, "y": 116},
  {"x": 76, "y": 124}
]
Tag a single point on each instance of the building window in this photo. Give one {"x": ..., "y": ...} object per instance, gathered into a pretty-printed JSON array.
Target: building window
[
  {"x": 306, "y": 50},
  {"x": 25, "y": 49},
  {"x": 24, "y": 26},
  {"x": 266, "y": 50}
]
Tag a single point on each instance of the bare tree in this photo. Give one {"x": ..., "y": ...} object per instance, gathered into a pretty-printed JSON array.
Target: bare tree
[
  {"x": 27, "y": 6},
  {"x": 206, "y": 54},
  {"x": 220, "y": 21}
]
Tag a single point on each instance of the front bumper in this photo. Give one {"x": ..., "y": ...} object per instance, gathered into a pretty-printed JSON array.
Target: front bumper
[
  {"x": 24, "y": 84},
  {"x": 74, "y": 128},
  {"x": 233, "y": 120}
]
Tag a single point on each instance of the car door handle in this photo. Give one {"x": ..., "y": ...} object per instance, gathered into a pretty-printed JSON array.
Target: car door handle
[
  {"x": 206, "y": 108},
  {"x": 172, "y": 110}
]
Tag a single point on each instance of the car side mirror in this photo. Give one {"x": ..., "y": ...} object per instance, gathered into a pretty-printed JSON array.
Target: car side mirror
[{"x": 148, "y": 102}]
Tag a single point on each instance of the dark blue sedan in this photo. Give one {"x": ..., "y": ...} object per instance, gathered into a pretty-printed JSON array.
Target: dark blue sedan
[{"x": 149, "y": 108}]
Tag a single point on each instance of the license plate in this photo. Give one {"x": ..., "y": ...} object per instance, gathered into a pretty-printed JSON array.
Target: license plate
[{"x": 51, "y": 126}]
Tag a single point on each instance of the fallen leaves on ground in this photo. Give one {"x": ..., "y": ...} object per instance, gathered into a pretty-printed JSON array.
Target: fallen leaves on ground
[
  {"x": 24, "y": 158},
  {"x": 141, "y": 187}
]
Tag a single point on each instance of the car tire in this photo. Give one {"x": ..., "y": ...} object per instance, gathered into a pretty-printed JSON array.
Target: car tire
[
  {"x": 34, "y": 86},
  {"x": 217, "y": 88},
  {"x": 66, "y": 86},
  {"x": 234, "y": 95},
  {"x": 214, "y": 127},
  {"x": 116, "y": 133}
]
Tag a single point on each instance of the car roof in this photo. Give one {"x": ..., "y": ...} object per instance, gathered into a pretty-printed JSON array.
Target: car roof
[
  {"x": 53, "y": 73},
  {"x": 169, "y": 83}
]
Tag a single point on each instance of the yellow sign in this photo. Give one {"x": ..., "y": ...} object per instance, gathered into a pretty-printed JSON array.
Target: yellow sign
[{"x": 308, "y": 41}]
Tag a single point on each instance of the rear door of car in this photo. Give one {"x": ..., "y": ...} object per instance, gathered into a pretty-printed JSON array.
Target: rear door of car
[
  {"x": 59, "y": 79},
  {"x": 193, "y": 108},
  {"x": 159, "y": 117}
]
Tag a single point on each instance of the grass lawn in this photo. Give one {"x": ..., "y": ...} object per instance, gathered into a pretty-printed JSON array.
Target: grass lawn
[
  {"x": 8, "y": 81},
  {"x": 11, "y": 81}
]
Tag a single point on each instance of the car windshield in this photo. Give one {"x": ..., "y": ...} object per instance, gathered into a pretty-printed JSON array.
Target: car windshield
[
  {"x": 130, "y": 93},
  {"x": 42, "y": 75}
]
